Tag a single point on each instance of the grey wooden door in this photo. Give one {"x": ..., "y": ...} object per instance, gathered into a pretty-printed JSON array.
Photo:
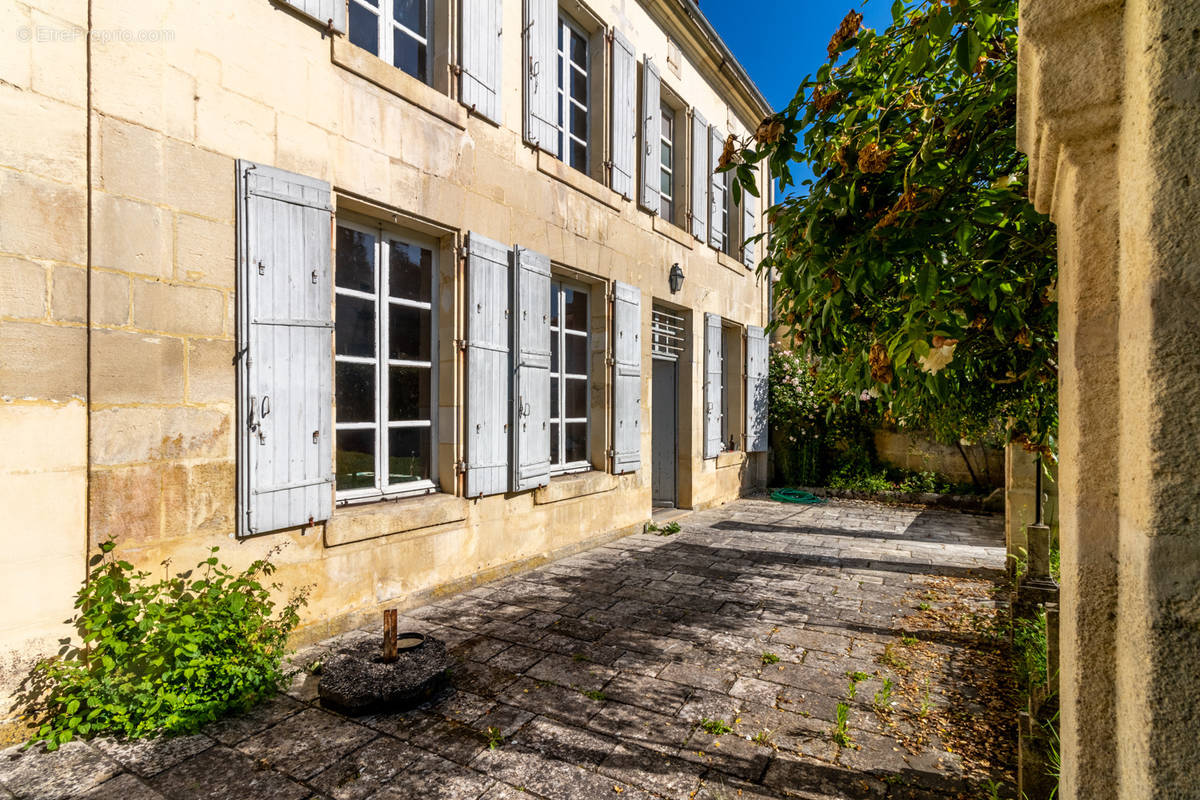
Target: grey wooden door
[{"x": 663, "y": 432}]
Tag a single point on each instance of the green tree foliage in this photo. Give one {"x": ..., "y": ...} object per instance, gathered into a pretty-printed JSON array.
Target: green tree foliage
[
  {"x": 161, "y": 656},
  {"x": 915, "y": 268}
]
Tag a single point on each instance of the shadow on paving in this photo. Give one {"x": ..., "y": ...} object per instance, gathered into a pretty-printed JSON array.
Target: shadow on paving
[{"x": 594, "y": 677}]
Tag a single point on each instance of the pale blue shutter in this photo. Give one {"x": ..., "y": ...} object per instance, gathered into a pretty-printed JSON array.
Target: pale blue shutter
[
  {"x": 627, "y": 378},
  {"x": 757, "y": 354},
  {"x": 487, "y": 406},
  {"x": 651, "y": 137},
  {"x": 285, "y": 350},
  {"x": 531, "y": 370},
  {"x": 700, "y": 180},
  {"x": 712, "y": 385},
  {"x": 749, "y": 228},
  {"x": 716, "y": 195},
  {"x": 479, "y": 43},
  {"x": 541, "y": 74},
  {"x": 323, "y": 11},
  {"x": 624, "y": 115}
]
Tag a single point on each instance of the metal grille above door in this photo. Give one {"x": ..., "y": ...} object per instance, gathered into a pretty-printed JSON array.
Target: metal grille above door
[{"x": 666, "y": 331}]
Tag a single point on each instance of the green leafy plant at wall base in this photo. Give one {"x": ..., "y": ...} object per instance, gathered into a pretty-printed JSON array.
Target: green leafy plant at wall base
[{"x": 161, "y": 656}]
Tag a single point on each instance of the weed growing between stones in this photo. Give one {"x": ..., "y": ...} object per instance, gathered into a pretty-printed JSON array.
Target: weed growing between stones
[
  {"x": 716, "y": 727},
  {"x": 841, "y": 733}
]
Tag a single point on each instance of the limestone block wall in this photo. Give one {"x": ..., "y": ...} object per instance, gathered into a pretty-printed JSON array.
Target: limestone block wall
[
  {"x": 118, "y": 342},
  {"x": 43, "y": 316},
  {"x": 915, "y": 452},
  {"x": 1109, "y": 112}
]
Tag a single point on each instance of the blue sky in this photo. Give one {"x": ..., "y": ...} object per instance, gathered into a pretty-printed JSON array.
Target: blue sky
[{"x": 781, "y": 41}]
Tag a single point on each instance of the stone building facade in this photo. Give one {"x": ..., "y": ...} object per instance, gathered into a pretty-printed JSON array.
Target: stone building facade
[
  {"x": 1109, "y": 114},
  {"x": 387, "y": 282}
]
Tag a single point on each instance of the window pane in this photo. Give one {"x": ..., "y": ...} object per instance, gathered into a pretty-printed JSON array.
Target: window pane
[
  {"x": 665, "y": 154},
  {"x": 576, "y": 441},
  {"x": 553, "y": 395},
  {"x": 555, "y": 366},
  {"x": 555, "y": 458},
  {"x": 576, "y": 397},
  {"x": 355, "y": 259},
  {"x": 409, "y": 55},
  {"x": 410, "y": 14},
  {"x": 409, "y": 333},
  {"x": 355, "y": 458},
  {"x": 665, "y": 182},
  {"x": 408, "y": 393},
  {"x": 667, "y": 209},
  {"x": 576, "y": 355},
  {"x": 364, "y": 27},
  {"x": 668, "y": 123},
  {"x": 408, "y": 454},
  {"x": 411, "y": 269},
  {"x": 554, "y": 304},
  {"x": 355, "y": 389},
  {"x": 579, "y": 156},
  {"x": 578, "y": 49},
  {"x": 578, "y": 122},
  {"x": 578, "y": 87},
  {"x": 355, "y": 332},
  {"x": 575, "y": 302}
]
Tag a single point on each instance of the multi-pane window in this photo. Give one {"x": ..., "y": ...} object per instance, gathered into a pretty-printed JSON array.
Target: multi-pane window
[
  {"x": 721, "y": 198},
  {"x": 384, "y": 358},
  {"x": 730, "y": 343},
  {"x": 395, "y": 30},
  {"x": 666, "y": 187},
  {"x": 569, "y": 384},
  {"x": 572, "y": 94}
]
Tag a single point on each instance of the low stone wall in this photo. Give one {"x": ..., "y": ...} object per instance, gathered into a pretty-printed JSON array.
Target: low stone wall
[{"x": 921, "y": 454}]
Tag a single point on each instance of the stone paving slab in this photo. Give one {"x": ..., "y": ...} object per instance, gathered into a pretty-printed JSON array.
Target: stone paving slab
[{"x": 590, "y": 678}]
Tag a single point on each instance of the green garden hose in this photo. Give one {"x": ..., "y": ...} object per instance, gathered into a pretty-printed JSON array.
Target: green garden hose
[{"x": 796, "y": 496}]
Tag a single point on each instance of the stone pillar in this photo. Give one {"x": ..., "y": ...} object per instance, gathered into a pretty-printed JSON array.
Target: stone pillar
[{"x": 1109, "y": 113}]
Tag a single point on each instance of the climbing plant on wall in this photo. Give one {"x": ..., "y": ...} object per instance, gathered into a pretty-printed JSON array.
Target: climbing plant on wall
[{"x": 912, "y": 265}]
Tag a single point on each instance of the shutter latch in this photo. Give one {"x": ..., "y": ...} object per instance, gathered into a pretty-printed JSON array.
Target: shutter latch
[
  {"x": 314, "y": 276},
  {"x": 262, "y": 268}
]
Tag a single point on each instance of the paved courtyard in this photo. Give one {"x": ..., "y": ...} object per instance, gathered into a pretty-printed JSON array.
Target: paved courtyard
[{"x": 707, "y": 663}]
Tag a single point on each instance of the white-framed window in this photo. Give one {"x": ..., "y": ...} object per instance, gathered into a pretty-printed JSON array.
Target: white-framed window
[
  {"x": 667, "y": 164},
  {"x": 721, "y": 188},
  {"x": 731, "y": 342},
  {"x": 570, "y": 377},
  {"x": 573, "y": 93},
  {"x": 398, "y": 31},
  {"x": 385, "y": 356}
]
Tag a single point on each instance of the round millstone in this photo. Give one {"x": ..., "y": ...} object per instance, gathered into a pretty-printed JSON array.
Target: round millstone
[{"x": 356, "y": 681}]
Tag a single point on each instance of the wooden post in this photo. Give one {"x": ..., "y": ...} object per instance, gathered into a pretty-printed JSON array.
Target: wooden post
[{"x": 389, "y": 635}]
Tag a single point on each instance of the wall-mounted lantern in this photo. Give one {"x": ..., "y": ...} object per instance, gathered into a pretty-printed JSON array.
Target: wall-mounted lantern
[{"x": 676, "y": 278}]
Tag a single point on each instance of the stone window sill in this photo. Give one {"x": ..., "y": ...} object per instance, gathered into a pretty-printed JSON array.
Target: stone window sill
[
  {"x": 729, "y": 262},
  {"x": 366, "y": 65},
  {"x": 549, "y": 165},
  {"x": 730, "y": 458},
  {"x": 568, "y": 487},
  {"x": 389, "y": 517},
  {"x": 674, "y": 232}
]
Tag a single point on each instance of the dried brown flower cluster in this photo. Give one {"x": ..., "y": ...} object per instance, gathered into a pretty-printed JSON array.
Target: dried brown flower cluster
[
  {"x": 908, "y": 202},
  {"x": 846, "y": 31},
  {"x": 822, "y": 102},
  {"x": 844, "y": 156},
  {"x": 881, "y": 366},
  {"x": 873, "y": 159},
  {"x": 729, "y": 152},
  {"x": 769, "y": 131}
]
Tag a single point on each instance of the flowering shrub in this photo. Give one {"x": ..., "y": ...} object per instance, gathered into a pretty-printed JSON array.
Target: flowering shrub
[{"x": 795, "y": 417}]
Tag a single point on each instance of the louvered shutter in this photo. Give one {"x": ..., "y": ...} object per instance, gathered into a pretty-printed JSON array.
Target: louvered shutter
[
  {"x": 531, "y": 370},
  {"x": 627, "y": 378},
  {"x": 487, "y": 407},
  {"x": 480, "y": 45},
  {"x": 322, "y": 11},
  {"x": 712, "y": 385},
  {"x": 541, "y": 74},
  {"x": 756, "y": 389},
  {"x": 700, "y": 180},
  {"x": 749, "y": 228},
  {"x": 285, "y": 364},
  {"x": 651, "y": 137},
  {"x": 716, "y": 194},
  {"x": 624, "y": 115}
]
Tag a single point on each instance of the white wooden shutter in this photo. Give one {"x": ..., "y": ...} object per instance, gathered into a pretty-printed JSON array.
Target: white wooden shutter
[
  {"x": 700, "y": 179},
  {"x": 651, "y": 136},
  {"x": 712, "y": 385},
  {"x": 716, "y": 229},
  {"x": 480, "y": 45},
  {"x": 756, "y": 389},
  {"x": 541, "y": 74},
  {"x": 323, "y": 11},
  {"x": 627, "y": 378},
  {"x": 487, "y": 398},
  {"x": 749, "y": 228},
  {"x": 285, "y": 350},
  {"x": 531, "y": 370},
  {"x": 624, "y": 115}
]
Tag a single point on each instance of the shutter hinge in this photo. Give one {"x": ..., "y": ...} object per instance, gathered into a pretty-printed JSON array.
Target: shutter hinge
[
  {"x": 611, "y": 452},
  {"x": 610, "y": 35},
  {"x": 461, "y": 344},
  {"x": 609, "y": 361},
  {"x": 456, "y": 69},
  {"x": 460, "y": 467}
]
